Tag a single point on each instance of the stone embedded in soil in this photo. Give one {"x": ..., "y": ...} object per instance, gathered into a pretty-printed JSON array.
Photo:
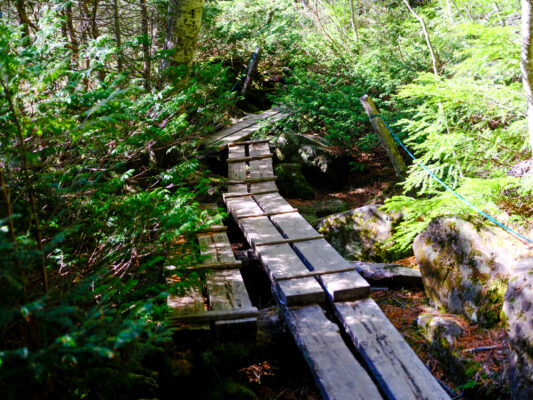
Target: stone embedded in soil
[
  {"x": 291, "y": 182},
  {"x": 465, "y": 268},
  {"x": 389, "y": 275},
  {"x": 518, "y": 310},
  {"x": 436, "y": 327},
  {"x": 362, "y": 234}
]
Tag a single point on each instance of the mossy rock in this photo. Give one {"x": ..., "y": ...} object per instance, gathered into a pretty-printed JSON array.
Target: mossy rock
[
  {"x": 363, "y": 233},
  {"x": 465, "y": 267},
  {"x": 292, "y": 183}
]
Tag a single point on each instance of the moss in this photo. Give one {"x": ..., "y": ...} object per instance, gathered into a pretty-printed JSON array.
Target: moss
[{"x": 491, "y": 303}]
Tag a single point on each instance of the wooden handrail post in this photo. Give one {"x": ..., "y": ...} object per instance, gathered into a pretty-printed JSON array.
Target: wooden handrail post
[
  {"x": 251, "y": 68},
  {"x": 384, "y": 136}
]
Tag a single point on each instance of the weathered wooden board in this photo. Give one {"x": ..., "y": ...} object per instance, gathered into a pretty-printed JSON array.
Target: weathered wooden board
[
  {"x": 323, "y": 257},
  {"x": 338, "y": 374},
  {"x": 261, "y": 168},
  {"x": 208, "y": 249},
  {"x": 210, "y": 316},
  {"x": 273, "y": 203},
  {"x": 294, "y": 225},
  {"x": 394, "y": 365},
  {"x": 226, "y": 290},
  {"x": 245, "y": 133},
  {"x": 237, "y": 171},
  {"x": 243, "y": 206},
  {"x": 220, "y": 136},
  {"x": 280, "y": 261},
  {"x": 259, "y": 230}
]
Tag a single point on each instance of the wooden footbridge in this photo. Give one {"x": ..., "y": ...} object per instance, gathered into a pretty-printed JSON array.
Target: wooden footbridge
[{"x": 351, "y": 348}]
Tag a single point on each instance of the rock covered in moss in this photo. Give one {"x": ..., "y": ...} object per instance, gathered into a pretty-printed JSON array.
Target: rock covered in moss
[
  {"x": 465, "y": 268},
  {"x": 320, "y": 165},
  {"x": 518, "y": 312},
  {"x": 291, "y": 182},
  {"x": 362, "y": 233},
  {"x": 436, "y": 327}
]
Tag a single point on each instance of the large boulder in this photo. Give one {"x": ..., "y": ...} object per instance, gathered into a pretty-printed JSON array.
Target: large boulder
[
  {"x": 518, "y": 311},
  {"x": 465, "y": 267},
  {"x": 320, "y": 165},
  {"x": 292, "y": 183},
  {"x": 362, "y": 234}
]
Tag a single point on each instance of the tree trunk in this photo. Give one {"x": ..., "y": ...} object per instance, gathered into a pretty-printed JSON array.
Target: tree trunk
[
  {"x": 354, "y": 26},
  {"x": 146, "y": 45},
  {"x": 23, "y": 17},
  {"x": 184, "y": 19},
  {"x": 118, "y": 38},
  {"x": 526, "y": 62},
  {"x": 251, "y": 69},
  {"x": 426, "y": 35}
]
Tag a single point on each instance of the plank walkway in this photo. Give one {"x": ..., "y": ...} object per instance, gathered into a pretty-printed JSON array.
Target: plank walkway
[
  {"x": 218, "y": 300},
  {"x": 352, "y": 349},
  {"x": 243, "y": 129}
]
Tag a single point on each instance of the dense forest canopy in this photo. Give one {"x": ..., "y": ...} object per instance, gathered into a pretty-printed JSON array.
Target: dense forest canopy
[{"x": 102, "y": 110}]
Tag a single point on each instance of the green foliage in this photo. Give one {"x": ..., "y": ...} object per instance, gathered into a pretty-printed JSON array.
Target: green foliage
[{"x": 115, "y": 180}]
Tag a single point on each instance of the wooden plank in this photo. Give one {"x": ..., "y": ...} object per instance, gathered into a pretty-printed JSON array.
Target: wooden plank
[
  {"x": 261, "y": 168},
  {"x": 245, "y": 133},
  {"x": 243, "y": 206},
  {"x": 250, "y": 158},
  {"x": 266, "y": 214},
  {"x": 291, "y": 240},
  {"x": 250, "y": 180},
  {"x": 192, "y": 301},
  {"x": 248, "y": 142},
  {"x": 399, "y": 372},
  {"x": 338, "y": 374},
  {"x": 232, "y": 130},
  {"x": 273, "y": 203},
  {"x": 258, "y": 149},
  {"x": 237, "y": 171},
  {"x": 221, "y": 315},
  {"x": 279, "y": 261},
  {"x": 294, "y": 225},
  {"x": 244, "y": 194},
  {"x": 311, "y": 273},
  {"x": 341, "y": 286},
  {"x": 208, "y": 249},
  {"x": 259, "y": 230},
  {"x": 226, "y": 291}
]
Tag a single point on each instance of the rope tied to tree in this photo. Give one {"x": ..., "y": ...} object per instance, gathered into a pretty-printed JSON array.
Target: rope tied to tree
[{"x": 448, "y": 188}]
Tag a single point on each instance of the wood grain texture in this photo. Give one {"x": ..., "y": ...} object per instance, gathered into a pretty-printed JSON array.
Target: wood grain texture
[
  {"x": 323, "y": 257},
  {"x": 273, "y": 203},
  {"x": 217, "y": 137},
  {"x": 395, "y": 366},
  {"x": 338, "y": 374},
  {"x": 280, "y": 261}
]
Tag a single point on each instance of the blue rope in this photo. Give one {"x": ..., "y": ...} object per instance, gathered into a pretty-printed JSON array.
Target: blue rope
[{"x": 448, "y": 188}]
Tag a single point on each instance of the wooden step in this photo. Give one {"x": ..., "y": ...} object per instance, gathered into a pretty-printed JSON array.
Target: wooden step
[
  {"x": 226, "y": 306},
  {"x": 338, "y": 374},
  {"x": 401, "y": 375}
]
